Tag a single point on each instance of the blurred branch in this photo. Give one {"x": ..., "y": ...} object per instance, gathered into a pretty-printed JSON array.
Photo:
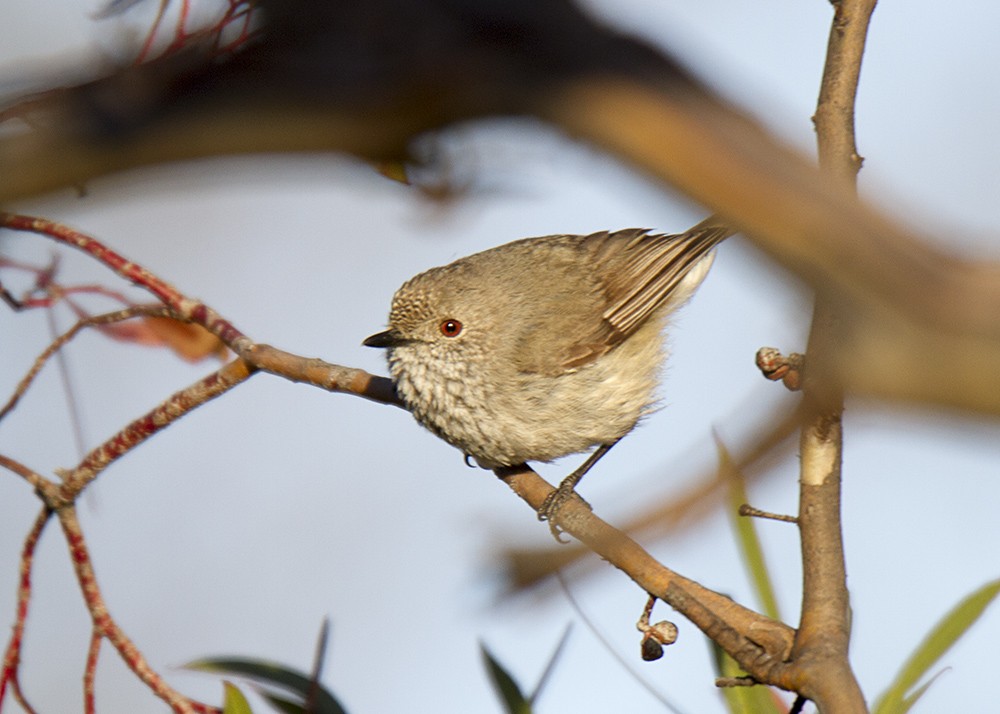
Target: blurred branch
[{"x": 915, "y": 324}]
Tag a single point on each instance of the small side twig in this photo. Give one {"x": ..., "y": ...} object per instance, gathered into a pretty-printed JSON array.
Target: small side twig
[
  {"x": 748, "y": 510},
  {"x": 47, "y": 490},
  {"x": 745, "y": 681},
  {"x": 182, "y": 306},
  {"x": 59, "y": 342},
  {"x": 654, "y": 637},
  {"x": 12, "y": 657},
  {"x": 164, "y": 414},
  {"x": 90, "y": 671},
  {"x": 109, "y": 629}
]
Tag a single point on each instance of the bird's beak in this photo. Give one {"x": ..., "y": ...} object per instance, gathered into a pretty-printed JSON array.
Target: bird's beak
[{"x": 389, "y": 338}]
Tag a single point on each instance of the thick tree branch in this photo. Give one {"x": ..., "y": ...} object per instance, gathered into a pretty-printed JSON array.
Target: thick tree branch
[{"x": 820, "y": 653}]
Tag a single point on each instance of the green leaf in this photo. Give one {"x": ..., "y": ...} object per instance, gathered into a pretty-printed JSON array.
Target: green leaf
[
  {"x": 510, "y": 693},
  {"x": 912, "y": 699},
  {"x": 283, "y": 705},
  {"x": 234, "y": 701},
  {"x": 276, "y": 675},
  {"x": 939, "y": 640},
  {"x": 746, "y": 534}
]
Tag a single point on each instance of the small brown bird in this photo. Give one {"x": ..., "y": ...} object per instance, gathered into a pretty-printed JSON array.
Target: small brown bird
[{"x": 545, "y": 346}]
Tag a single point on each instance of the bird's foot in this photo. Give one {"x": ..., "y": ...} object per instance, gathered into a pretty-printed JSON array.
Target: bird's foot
[{"x": 553, "y": 503}]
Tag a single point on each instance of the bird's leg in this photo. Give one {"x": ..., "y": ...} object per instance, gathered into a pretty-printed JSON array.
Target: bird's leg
[{"x": 555, "y": 500}]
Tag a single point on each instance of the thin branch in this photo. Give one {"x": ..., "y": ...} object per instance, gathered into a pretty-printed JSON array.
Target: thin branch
[
  {"x": 59, "y": 342},
  {"x": 12, "y": 657},
  {"x": 760, "y": 645},
  {"x": 108, "y": 628},
  {"x": 170, "y": 410},
  {"x": 48, "y": 490},
  {"x": 182, "y": 306},
  {"x": 90, "y": 671},
  {"x": 331, "y": 377},
  {"x": 747, "y": 510}
]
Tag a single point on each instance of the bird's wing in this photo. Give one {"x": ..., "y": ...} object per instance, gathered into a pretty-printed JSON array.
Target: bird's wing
[{"x": 650, "y": 272}]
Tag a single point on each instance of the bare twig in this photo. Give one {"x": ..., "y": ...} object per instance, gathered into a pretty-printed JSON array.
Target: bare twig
[
  {"x": 108, "y": 628},
  {"x": 48, "y": 490},
  {"x": 331, "y": 377},
  {"x": 59, "y": 342},
  {"x": 183, "y": 307},
  {"x": 748, "y": 510},
  {"x": 90, "y": 671},
  {"x": 12, "y": 656},
  {"x": 176, "y": 406},
  {"x": 760, "y": 645}
]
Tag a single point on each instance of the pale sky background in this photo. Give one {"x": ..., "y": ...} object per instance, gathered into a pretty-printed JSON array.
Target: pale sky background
[{"x": 241, "y": 527}]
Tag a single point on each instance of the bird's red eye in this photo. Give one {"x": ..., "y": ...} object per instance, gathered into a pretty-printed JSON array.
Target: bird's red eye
[{"x": 451, "y": 328}]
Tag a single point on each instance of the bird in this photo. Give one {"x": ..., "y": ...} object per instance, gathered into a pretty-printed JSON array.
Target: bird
[{"x": 543, "y": 347}]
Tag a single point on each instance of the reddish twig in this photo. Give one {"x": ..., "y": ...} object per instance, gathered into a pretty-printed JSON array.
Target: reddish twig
[
  {"x": 108, "y": 628},
  {"x": 59, "y": 342},
  {"x": 147, "y": 46},
  {"x": 184, "y": 307},
  {"x": 236, "y": 11},
  {"x": 12, "y": 657},
  {"x": 48, "y": 490},
  {"x": 164, "y": 414},
  {"x": 90, "y": 671}
]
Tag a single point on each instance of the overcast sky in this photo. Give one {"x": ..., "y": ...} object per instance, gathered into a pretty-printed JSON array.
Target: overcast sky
[{"x": 241, "y": 527}]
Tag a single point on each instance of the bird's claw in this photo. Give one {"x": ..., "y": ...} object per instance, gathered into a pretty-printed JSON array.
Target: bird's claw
[{"x": 553, "y": 503}]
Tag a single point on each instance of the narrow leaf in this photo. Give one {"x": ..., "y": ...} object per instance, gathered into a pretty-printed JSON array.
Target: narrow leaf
[
  {"x": 234, "y": 701},
  {"x": 283, "y": 705},
  {"x": 394, "y": 170},
  {"x": 273, "y": 674},
  {"x": 938, "y": 641},
  {"x": 912, "y": 699},
  {"x": 512, "y": 696}
]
